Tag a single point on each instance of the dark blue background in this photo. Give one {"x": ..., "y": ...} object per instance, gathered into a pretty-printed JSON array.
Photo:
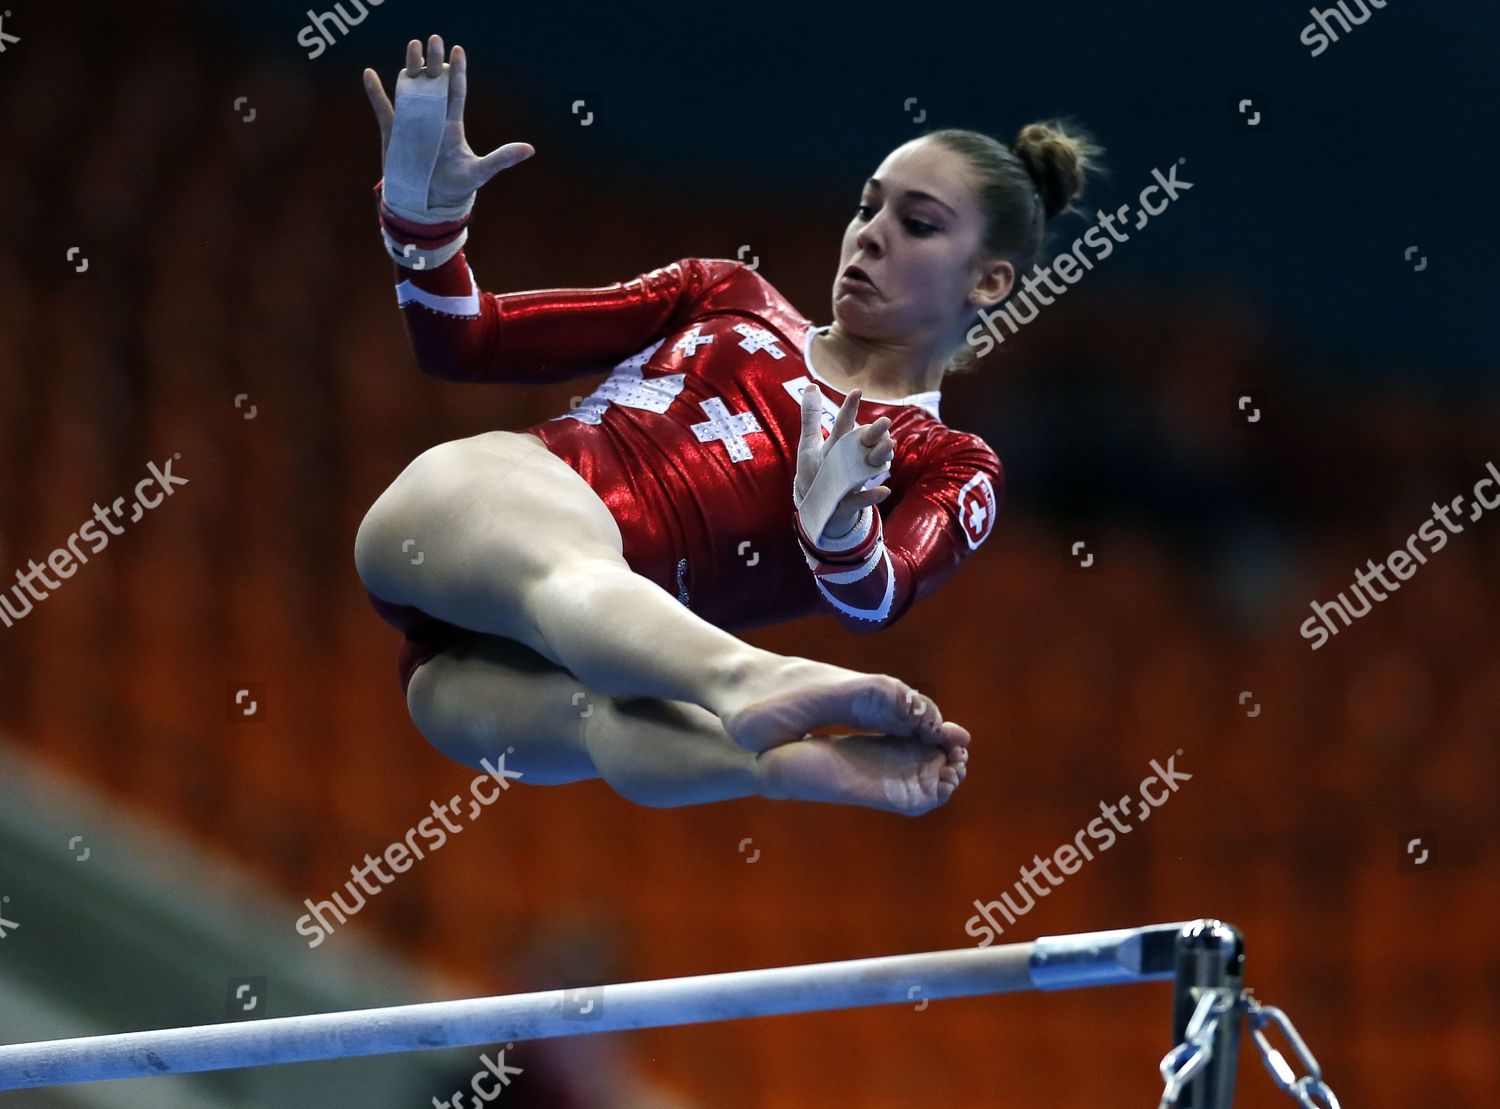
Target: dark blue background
[{"x": 1385, "y": 141}]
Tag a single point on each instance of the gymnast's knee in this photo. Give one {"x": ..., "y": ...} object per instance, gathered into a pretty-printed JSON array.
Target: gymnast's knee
[
  {"x": 377, "y": 543},
  {"x": 406, "y": 516}
]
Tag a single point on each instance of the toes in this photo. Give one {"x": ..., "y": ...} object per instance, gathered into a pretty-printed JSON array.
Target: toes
[
  {"x": 954, "y": 738},
  {"x": 921, "y": 711},
  {"x": 931, "y": 717},
  {"x": 951, "y": 774}
]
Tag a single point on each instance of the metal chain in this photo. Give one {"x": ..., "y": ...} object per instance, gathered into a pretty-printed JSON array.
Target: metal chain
[
  {"x": 1185, "y": 1060},
  {"x": 1309, "y": 1091},
  {"x": 1189, "y": 1057}
]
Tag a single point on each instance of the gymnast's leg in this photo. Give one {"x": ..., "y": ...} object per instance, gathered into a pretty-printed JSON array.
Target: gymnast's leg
[
  {"x": 484, "y": 696},
  {"x": 514, "y": 543}
]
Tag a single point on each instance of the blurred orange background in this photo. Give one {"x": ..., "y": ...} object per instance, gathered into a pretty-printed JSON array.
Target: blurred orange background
[{"x": 253, "y": 266}]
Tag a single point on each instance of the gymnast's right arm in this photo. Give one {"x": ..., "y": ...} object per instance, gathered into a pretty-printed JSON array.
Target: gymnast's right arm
[{"x": 425, "y": 199}]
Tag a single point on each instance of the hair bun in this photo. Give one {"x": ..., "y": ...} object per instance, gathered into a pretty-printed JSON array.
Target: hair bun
[{"x": 1058, "y": 157}]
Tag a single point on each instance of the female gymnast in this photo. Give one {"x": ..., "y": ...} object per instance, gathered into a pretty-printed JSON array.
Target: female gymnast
[{"x": 568, "y": 591}]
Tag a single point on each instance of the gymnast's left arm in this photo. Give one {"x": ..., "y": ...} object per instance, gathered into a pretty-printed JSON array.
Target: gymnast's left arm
[
  {"x": 425, "y": 200},
  {"x": 886, "y": 563}
]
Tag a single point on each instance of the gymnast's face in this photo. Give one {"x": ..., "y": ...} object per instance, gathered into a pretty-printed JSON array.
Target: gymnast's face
[{"x": 917, "y": 236}]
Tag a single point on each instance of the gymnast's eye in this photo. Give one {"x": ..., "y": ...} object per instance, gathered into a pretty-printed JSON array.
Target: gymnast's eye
[{"x": 920, "y": 228}]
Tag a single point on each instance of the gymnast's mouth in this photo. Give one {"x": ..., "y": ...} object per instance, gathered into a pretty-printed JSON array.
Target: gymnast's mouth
[{"x": 855, "y": 276}]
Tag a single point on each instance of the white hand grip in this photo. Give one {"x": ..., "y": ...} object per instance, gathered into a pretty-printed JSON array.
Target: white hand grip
[
  {"x": 416, "y": 137},
  {"x": 844, "y": 470}
]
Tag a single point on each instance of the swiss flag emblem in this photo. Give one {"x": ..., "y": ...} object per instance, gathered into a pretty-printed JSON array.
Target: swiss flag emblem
[{"x": 976, "y": 509}]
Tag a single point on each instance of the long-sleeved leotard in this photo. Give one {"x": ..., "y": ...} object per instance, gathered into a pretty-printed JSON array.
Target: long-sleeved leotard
[{"x": 691, "y": 439}]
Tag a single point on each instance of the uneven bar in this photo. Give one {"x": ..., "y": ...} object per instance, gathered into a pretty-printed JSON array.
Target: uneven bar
[{"x": 1057, "y": 962}]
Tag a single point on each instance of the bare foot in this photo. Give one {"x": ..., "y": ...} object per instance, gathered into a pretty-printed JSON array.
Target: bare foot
[
  {"x": 899, "y": 774},
  {"x": 784, "y": 700}
]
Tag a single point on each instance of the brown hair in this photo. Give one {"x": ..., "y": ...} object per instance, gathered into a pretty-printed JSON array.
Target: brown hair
[{"x": 1020, "y": 188}]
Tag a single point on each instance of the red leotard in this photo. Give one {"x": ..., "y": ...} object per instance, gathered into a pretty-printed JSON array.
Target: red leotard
[{"x": 691, "y": 439}]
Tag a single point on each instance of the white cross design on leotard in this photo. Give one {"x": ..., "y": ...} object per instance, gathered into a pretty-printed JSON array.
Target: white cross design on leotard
[
  {"x": 976, "y": 506},
  {"x": 724, "y": 427},
  {"x": 627, "y": 385},
  {"x": 688, "y": 345},
  {"x": 758, "y": 339}
]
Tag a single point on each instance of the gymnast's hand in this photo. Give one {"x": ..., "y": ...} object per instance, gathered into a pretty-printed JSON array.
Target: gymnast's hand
[
  {"x": 813, "y": 449},
  {"x": 458, "y": 171}
]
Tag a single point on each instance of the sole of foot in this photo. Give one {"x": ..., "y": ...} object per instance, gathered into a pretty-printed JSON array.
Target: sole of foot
[
  {"x": 879, "y": 702},
  {"x": 899, "y": 774}
]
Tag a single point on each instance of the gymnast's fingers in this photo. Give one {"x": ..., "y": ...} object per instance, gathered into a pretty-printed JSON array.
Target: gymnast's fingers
[
  {"x": 848, "y": 413},
  {"x": 812, "y": 417},
  {"x": 872, "y": 432},
  {"x": 502, "y": 157},
  {"x": 878, "y": 439},
  {"x": 810, "y": 442},
  {"x": 458, "y": 83},
  {"x": 384, "y": 112},
  {"x": 856, "y": 501}
]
